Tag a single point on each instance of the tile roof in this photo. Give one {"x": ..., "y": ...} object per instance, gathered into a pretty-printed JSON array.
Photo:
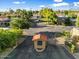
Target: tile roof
[
  {"x": 39, "y": 36},
  {"x": 3, "y": 18}
]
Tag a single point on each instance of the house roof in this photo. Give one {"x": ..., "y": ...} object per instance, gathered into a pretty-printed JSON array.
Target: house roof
[
  {"x": 2, "y": 16},
  {"x": 39, "y": 36},
  {"x": 61, "y": 15},
  {"x": 4, "y": 19}
]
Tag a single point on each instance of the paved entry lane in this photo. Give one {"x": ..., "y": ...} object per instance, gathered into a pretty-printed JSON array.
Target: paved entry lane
[{"x": 26, "y": 51}]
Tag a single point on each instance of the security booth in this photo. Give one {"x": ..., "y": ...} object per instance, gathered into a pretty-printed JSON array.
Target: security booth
[{"x": 40, "y": 41}]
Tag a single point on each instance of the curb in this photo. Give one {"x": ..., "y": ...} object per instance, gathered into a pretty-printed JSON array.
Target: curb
[{"x": 70, "y": 54}]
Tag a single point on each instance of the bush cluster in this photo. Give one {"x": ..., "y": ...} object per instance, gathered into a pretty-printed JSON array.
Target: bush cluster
[
  {"x": 8, "y": 38},
  {"x": 20, "y": 24}
]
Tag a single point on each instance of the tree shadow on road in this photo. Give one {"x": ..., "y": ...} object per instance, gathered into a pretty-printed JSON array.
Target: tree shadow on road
[{"x": 52, "y": 34}]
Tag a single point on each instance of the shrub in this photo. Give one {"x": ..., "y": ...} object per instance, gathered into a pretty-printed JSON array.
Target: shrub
[
  {"x": 68, "y": 22},
  {"x": 66, "y": 34},
  {"x": 8, "y": 38},
  {"x": 69, "y": 43},
  {"x": 71, "y": 47},
  {"x": 20, "y": 23},
  {"x": 17, "y": 32}
]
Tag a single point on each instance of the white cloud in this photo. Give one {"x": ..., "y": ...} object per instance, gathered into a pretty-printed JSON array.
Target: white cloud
[
  {"x": 58, "y": 0},
  {"x": 60, "y": 4},
  {"x": 23, "y": 2},
  {"x": 16, "y": 2},
  {"x": 42, "y": 6},
  {"x": 19, "y": 2},
  {"x": 76, "y": 4}
]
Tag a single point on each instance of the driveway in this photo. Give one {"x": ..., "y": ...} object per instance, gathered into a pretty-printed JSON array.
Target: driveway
[{"x": 27, "y": 51}]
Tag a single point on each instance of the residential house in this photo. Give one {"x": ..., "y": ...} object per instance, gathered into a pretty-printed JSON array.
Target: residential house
[{"x": 4, "y": 21}]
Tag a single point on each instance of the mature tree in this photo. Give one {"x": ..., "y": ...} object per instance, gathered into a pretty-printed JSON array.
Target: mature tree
[
  {"x": 45, "y": 12},
  {"x": 23, "y": 14},
  {"x": 0, "y": 13},
  {"x": 66, "y": 12},
  {"x": 48, "y": 14},
  {"x": 77, "y": 21},
  {"x": 4, "y": 13},
  {"x": 20, "y": 23},
  {"x": 11, "y": 11},
  {"x": 72, "y": 14},
  {"x": 23, "y": 20},
  {"x": 18, "y": 13},
  {"x": 68, "y": 21},
  {"x": 30, "y": 14},
  {"x": 27, "y": 14},
  {"x": 36, "y": 12}
]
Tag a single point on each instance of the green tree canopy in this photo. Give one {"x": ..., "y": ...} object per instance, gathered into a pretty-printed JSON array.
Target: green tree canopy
[
  {"x": 23, "y": 14},
  {"x": 20, "y": 23},
  {"x": 77, "y": 21},
  {"x": 48, "y": 14}
]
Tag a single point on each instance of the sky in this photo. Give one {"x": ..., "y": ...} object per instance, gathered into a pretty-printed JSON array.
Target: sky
[{"x": 38, "y": 4}]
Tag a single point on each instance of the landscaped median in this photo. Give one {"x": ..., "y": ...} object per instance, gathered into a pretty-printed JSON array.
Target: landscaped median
[{"x": 9, "y": 39}]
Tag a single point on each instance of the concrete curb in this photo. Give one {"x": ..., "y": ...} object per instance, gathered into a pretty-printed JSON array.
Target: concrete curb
[{"x": 70, "y": 54}]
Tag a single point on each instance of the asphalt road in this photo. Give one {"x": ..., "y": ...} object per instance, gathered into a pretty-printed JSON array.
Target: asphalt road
[{"x": 27, "y": 51}]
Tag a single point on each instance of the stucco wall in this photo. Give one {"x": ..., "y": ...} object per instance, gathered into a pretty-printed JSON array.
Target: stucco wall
[{"x": 38, "y": 46}]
